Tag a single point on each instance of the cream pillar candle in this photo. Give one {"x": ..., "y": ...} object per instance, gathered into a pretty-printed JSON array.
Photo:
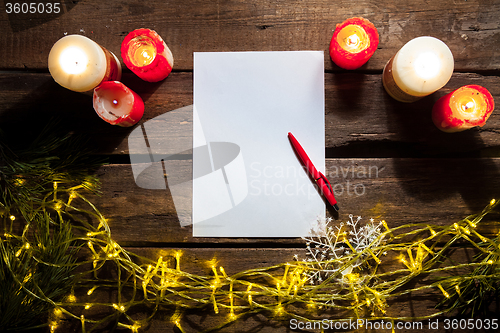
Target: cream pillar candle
[
  {"x": 80, "y": 64},
  {"x": 419, "y": 68}
]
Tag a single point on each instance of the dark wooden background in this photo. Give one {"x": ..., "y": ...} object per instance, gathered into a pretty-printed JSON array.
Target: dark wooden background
[{"x": 423, "y": 174}]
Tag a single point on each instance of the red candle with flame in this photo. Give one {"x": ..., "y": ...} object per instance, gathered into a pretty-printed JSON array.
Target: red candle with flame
[
  {"x": 354, "y": 41},
  {"x": 464, "y": 108},
  {"x": 117, "y": 104},
  {"x": 145, "y": 53}
]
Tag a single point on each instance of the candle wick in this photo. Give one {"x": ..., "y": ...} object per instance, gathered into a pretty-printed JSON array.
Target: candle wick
[
  {"x": 114, "y": 115},
  {"x": 468, "y": 105},
  {"x": 115, "y": 102}
]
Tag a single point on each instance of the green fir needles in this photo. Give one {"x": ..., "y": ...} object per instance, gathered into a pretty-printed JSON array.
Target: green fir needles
[
  {"x": 37, "y": 245},
  {"x": 58, "y": 261}
]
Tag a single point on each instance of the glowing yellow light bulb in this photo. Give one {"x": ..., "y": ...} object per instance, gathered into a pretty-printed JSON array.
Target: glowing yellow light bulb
[
  {"x": 135, "y": 327},
  {"x": 445, "y": 293},
  {"x": 403, "y": 260},
  {"x": 178, "y": 260},
  {"x": 90, "y": 291},
  {"x": 223, "y": 271},
  {"x": 58, "y": 206},
  {"x": 71, "y": 298},
  {"x": 216, "y": 308},
  {"x": 102, "y": 222},
  {"x": 120, "y": 308},
  {"x": 472, "y": 224},
  {"x": 387, "y": 227}
]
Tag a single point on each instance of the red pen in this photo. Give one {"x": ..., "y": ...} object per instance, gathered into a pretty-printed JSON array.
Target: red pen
[{"x": 320, "y": 179}]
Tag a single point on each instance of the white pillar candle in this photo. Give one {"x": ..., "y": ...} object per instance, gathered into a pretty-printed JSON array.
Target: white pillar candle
[
  {"x": 80, "y": 64},
  {"x": 419, "y": 68}
]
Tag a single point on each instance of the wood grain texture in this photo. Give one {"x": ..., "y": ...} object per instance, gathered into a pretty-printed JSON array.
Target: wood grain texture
[
  {"x": 470, "y": 28},
  {"x": 235, "y": 260},
  {"x": 386, "y": 159},
  {"x": 361, "y": 120},
  {"x": 401, "y": 191}
]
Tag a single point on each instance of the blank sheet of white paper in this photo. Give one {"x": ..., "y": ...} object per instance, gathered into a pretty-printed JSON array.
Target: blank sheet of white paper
[{"x": 247, "y": 180}]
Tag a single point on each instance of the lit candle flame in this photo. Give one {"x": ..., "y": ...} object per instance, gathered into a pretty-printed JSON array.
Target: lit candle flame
[
  {"x": 147, "y": 57},
  {"x": 427, "y": 65},
  {"x": 73, "y": 60},
  {"x": 353, "y": 40},
  {"x": 143, "y": 51},
  {"x": 469, "y": 105}
]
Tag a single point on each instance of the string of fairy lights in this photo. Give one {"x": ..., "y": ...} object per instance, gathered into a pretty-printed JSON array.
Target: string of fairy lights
[{"x": 341, "y": 272}]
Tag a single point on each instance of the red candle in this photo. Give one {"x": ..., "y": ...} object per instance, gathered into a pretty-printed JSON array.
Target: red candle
[
  {"x": 145, "y": 53},
  {"x": 463, "y": 108},
  {"x": 117, "y": 104},
  {"x": 354, "y": 41}
]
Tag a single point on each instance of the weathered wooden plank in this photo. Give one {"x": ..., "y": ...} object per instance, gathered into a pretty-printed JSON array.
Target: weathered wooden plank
[
  {"x": 361, "y": 120},
  {"x": 401, "y": 191},
  {"x": 470, "y": 28},
  {"x": 234, "y": 261}
]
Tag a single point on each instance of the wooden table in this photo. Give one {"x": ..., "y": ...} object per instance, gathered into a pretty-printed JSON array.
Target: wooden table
[{"x": 421, "y": 173}]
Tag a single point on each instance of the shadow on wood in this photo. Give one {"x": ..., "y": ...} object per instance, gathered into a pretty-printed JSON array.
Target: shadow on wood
[
  {"x": 476, "y": 180},
  {"x": 30, "y": 17},
  {"x": 35, "y": 101}
]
